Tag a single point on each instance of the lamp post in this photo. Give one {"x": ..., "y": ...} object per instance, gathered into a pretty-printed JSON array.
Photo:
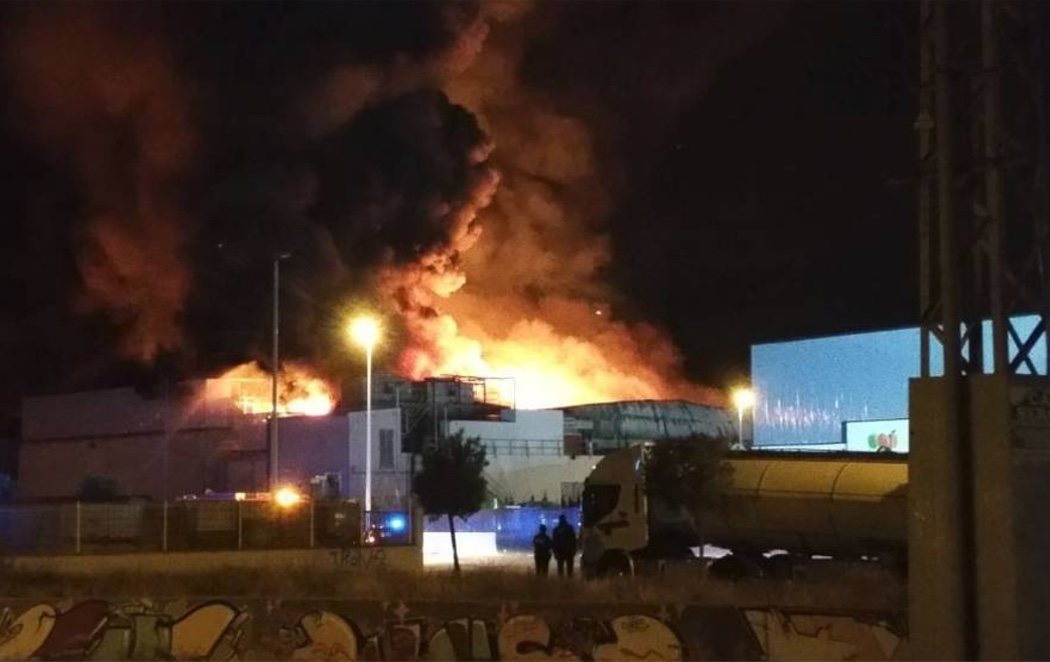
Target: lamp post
[
  {"x": 743, "y": 398},
  {"x": 364, "y": 331},
  {"x": 276, "y": 367}
]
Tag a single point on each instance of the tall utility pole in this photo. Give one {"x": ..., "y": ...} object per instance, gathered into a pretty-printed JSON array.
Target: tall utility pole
[
  {"x": 275, "y": 453},
  {"x": 974, "y": 589}
]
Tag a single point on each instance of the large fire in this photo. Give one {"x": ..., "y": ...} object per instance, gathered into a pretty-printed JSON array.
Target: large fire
[
  {"x": 300, "y": 392},
  {"x": 510, "y": 290},
  {"x": 551, "y": 369}
]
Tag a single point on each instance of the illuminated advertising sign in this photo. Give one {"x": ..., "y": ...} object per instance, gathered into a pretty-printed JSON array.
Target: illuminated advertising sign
[
  {"x": 876, "y": 436},
  {"x": 806, "y": 388}
]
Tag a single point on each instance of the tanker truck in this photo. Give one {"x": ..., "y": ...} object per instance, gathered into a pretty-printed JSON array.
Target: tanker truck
[{"x": 778, "y": 508}]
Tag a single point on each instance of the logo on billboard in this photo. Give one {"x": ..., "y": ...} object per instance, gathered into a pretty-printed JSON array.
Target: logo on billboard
[
  {"x": 888, "y": 435},
  {"x": 880, "y": 440}
]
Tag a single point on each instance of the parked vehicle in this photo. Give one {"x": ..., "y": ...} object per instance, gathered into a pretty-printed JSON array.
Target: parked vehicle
[{"x": 780, "y": 508}]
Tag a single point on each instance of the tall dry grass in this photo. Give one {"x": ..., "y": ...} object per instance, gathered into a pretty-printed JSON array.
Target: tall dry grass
[{"x": 864, "y": 588}]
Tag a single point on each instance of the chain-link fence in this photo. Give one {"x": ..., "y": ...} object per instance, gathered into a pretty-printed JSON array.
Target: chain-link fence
[{"x": 89, "y": 528}]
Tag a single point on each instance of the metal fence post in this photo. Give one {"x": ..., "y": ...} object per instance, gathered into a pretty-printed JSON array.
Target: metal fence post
[
  {"x": 164, "y": 533},
  {"x": 311, "y": 523},
  {"x": 240, "y": 527},
  {"x": 78, "y": 528}
]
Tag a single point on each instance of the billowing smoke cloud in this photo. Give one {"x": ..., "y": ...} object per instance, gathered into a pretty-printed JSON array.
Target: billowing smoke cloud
[
  {"x": 481, "y": 234},
  {"x": 531, "y": 305},
  {"x": 115, "y": 110}
]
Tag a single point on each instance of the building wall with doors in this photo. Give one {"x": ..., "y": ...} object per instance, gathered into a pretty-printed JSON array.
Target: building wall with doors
[
  {"x": 528, "y": 459},
  {"x": 163, "y": 445},
  {"x": 194, "y": 439}
]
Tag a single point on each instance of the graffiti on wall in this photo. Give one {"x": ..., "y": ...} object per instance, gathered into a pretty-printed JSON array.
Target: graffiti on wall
[
  {"x": 369, "y": 558},
  {"x": 98, "y": 630},
  {"x": 812, "y": 636},
  {"x": 345, "y": 630},
  {"x": 323, "y": 635}
]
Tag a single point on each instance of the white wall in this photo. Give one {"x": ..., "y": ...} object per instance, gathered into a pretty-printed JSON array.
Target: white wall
[
  {"x": 527, "y": 425},
  {"x": 311, "y": 446},
  {"x": 520, "y": 479},
  {"x": 526, "y": 457}
]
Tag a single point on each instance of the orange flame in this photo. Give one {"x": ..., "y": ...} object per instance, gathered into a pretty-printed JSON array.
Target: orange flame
[
  {"x": 552, "y": 369},
  {"x": 299, "y": 391}
]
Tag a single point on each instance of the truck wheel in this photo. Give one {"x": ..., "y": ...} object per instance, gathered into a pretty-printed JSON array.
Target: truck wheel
[
  {"x": 615, "y": 565},
  {"x": 735, "y": 567}
]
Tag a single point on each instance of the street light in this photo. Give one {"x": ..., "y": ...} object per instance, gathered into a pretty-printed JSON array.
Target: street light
[
  {"x": 365, "y": 331},
  {"x": 287, "y": 497},
  {"x": 743, "y": 398},
  {"x": 274, "y": 449}
]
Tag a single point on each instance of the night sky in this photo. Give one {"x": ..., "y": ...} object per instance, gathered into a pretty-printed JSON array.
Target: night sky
[{"x": 754, "y": 161}]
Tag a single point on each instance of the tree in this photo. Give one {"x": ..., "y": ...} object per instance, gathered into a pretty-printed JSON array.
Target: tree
[
  {"x": 688, "y": 473},
  {"x": 451, "y": 483}
]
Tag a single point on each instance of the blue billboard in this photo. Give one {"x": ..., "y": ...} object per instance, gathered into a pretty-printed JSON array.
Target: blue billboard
[{"x": 807, "y": 388}]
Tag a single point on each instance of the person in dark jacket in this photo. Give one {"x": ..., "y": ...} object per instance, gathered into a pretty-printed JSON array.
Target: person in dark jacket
[
  {"x": 541, "y": 551},
  {"x": 564, "y": 544}
]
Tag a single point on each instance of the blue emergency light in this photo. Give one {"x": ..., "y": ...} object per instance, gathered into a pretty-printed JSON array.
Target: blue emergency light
[{"x": 396, "y": 522}]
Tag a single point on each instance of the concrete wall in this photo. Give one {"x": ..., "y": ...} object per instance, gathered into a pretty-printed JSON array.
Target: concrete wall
[
  {"x": 526, "y": 457},
  {"x": 527, "y": 425},
  {"x": 191, "y": 439},
  {"x": 152, "y": 465},
  {"x": 184, "y": 441},
  {"x": 312, "y": 446},
  {"x": 122, "y": 411},
  {"x": 518, "y": 479},
  {"x": 276, "y": 628}
]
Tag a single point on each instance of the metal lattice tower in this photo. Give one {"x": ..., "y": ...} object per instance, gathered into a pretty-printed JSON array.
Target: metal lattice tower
[
  {"x": 983, "y": 239},
  {"x": 983, "y": 246}
]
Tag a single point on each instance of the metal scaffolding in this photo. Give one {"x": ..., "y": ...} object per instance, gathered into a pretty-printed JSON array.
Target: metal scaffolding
[{"x": 982, "y": 198}]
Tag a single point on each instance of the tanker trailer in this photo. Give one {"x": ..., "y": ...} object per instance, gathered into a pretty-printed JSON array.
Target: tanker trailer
[{"x": 838, "y": 505}]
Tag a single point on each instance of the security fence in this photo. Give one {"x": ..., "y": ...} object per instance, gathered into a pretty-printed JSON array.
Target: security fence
[{"x": 199, "y": 525}]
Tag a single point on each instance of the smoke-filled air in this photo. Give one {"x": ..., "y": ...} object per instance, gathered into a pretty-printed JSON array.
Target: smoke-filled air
[{"x": 419, "y": 177}]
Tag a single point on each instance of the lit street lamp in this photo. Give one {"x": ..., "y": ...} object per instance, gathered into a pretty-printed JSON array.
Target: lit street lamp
[
  {"x": 743, "y": 398},
  {"x": 364, "y": 331},
  {"x": 274, "y": 449}
]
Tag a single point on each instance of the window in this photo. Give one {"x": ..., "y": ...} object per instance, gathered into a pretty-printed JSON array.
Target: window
[
  {"x": 598, "y": 502},
  {"x": 386, "y": 449}
]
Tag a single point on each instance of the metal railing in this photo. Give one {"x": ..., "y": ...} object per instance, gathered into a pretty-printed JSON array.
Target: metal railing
[
  {"x": 525, "y": 447},
  {"x": 94, "y": 528}
]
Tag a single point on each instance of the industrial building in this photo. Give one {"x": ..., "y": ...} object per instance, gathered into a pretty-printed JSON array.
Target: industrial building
[
  {"x": 197, "y": 439},
  {"x": 212, "y": 436}
]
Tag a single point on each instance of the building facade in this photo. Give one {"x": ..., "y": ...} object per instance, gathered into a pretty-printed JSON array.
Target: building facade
[
  {"x": 197, "y": 439},
  {"x": 529, "y": 458},
  {"x": 211, "y": 436}
]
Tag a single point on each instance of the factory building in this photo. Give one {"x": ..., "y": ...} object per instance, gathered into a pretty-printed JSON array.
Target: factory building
[
  {"x": 198, "y": 439},
  {"x": 606, "y": 427},
  {"x": 212, "y": 436}
]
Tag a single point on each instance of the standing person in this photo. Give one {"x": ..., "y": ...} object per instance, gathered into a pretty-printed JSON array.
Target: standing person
[
  {"x": 541, "y": 551},
  {"x": 564, "y": 544}
]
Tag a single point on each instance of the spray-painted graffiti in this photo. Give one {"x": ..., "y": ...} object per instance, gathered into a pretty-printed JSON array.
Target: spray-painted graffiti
[
  {"x": 811, "y": 636},
  {"x": 98, "y": 630},
  {"x": 357, "y": 557},
  {"x": 323, "y": 635},
  {"x": 346, "y": 630}
]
